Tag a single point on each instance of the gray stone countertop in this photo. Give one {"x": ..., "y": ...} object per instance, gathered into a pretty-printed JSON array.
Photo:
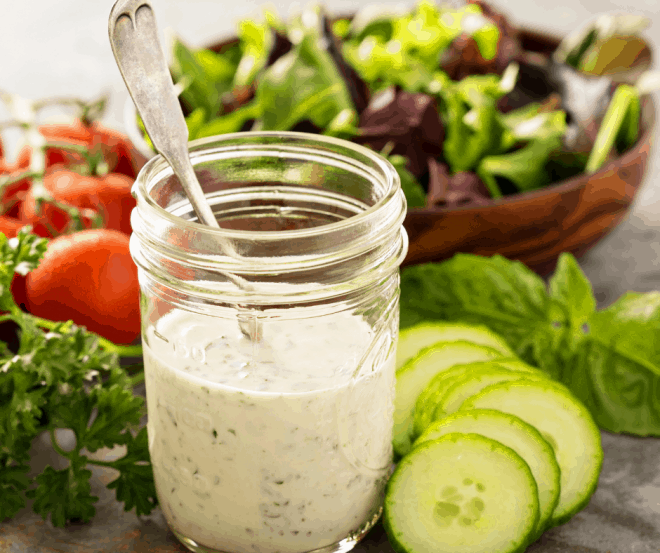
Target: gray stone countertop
[{"x": 60, "y": 47}]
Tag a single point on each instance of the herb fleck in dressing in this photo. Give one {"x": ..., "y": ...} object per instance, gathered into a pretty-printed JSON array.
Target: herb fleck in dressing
[{"x": 274, "y": 446}]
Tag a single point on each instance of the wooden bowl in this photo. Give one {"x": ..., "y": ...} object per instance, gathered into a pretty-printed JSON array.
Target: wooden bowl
[{"x": 533, "y": 227}]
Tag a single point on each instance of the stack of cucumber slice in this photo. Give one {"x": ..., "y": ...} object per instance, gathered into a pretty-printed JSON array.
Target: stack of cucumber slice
[{"x": 492, "y": 451}]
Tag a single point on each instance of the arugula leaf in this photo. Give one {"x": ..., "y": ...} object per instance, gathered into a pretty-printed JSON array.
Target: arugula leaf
[
  {"x": 473, "y": 124},
  {"x": 525, "y": 168}
]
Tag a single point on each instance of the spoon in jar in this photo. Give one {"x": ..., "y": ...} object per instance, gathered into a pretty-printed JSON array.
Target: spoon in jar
[{"x": 136, "y": 47}]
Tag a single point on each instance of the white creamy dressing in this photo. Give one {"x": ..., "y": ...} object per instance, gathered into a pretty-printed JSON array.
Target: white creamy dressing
[{"x": 269, "y": 448}]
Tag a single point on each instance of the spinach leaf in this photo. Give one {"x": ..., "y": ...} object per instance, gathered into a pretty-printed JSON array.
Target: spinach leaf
[
  {"x": 413, "y": 190},
  {"x": 302, "y": 84},
  {"x": 190, "y": 71}
]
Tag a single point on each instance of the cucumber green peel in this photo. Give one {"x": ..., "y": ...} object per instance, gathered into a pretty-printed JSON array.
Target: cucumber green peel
[
  {"x": 565, "y": 423},
  {"x": 413, "y": 340},
  {"x": 427, "y": 401},
  {"x": 413, "y": 377}
]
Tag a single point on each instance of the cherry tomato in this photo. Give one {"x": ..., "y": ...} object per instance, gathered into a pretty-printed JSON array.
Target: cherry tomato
[
  {"x": 117, "y": 151},
  {"x": 90, "y": 278},
  {"x": 109, "y": 195}
]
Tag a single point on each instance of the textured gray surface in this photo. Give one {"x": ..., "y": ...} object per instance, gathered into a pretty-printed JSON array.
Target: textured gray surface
[{"x": 60, "y": 47}]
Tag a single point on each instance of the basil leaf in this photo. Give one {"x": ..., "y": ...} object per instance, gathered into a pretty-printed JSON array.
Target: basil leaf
[
  {"x": 570, "y": 287},
  {"x": 504, "y": 295},
  {"x": 616, "y": 368}
]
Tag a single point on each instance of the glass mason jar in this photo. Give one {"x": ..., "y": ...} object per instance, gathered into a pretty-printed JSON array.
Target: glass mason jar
[{"x": 269, "y": 343}]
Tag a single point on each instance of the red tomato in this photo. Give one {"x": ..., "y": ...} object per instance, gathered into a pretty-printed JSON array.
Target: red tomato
[
  {"x": 110, "y": 195},
  {"x": 90, "y": 278},
  {"x": 10, "y": 226}
]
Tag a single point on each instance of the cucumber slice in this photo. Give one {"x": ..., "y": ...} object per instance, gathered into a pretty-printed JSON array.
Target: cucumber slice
[
  {"x": 414, "y": 339},
  {"x": 565, "y": 423},
  {"x": 462, "y": 493},
  {"x": 515, "y": 433},
  {"x": 470, "y": 385},
  {"x": 416, "y": 374},
  {"x": 431, "y": 395}
]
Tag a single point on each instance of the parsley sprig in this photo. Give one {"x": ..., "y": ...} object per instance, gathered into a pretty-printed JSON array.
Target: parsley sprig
[{"x": 64, "y": 377}]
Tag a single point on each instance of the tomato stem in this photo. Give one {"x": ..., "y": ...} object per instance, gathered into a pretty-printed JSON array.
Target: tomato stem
[
  {"x": 8, "y": 181},
  {"x": 137, "y": 379},
  {"x": 6, "y": 317},
  {"x": 122, "y": 350}
]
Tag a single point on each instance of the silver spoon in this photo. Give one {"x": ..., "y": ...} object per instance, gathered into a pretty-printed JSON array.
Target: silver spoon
[
  {"x": 135, "y": 45},
  {"x": 134, "y": 41}
]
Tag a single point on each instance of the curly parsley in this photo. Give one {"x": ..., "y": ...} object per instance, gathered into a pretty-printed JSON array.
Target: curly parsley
[{"x": 64, "y": 377}]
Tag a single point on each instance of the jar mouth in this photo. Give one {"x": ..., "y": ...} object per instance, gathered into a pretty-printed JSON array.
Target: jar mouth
[
  {"x": 287, "y": 202},
  {"x": 200, "y": 149}
]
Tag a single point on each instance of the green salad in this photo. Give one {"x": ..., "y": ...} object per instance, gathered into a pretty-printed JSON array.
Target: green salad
[{"x": 442, "y": 91}]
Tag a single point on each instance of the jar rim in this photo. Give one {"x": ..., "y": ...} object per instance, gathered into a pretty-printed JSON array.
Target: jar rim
[{"x": 158, "y": 165}]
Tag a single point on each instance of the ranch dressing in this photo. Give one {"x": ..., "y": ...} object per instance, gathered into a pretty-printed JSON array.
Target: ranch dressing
[{"x": 282, "y": 445}]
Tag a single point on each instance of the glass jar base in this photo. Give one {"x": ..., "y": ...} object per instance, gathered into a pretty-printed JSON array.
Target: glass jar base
[{"x": 342, "y": 546}]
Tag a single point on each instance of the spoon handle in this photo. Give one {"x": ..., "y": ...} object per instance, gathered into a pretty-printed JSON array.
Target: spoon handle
[{"x": 134, "y": 41}]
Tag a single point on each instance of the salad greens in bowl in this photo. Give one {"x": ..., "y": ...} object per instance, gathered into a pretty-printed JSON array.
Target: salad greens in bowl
[{"x": 506, "y": 140}]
